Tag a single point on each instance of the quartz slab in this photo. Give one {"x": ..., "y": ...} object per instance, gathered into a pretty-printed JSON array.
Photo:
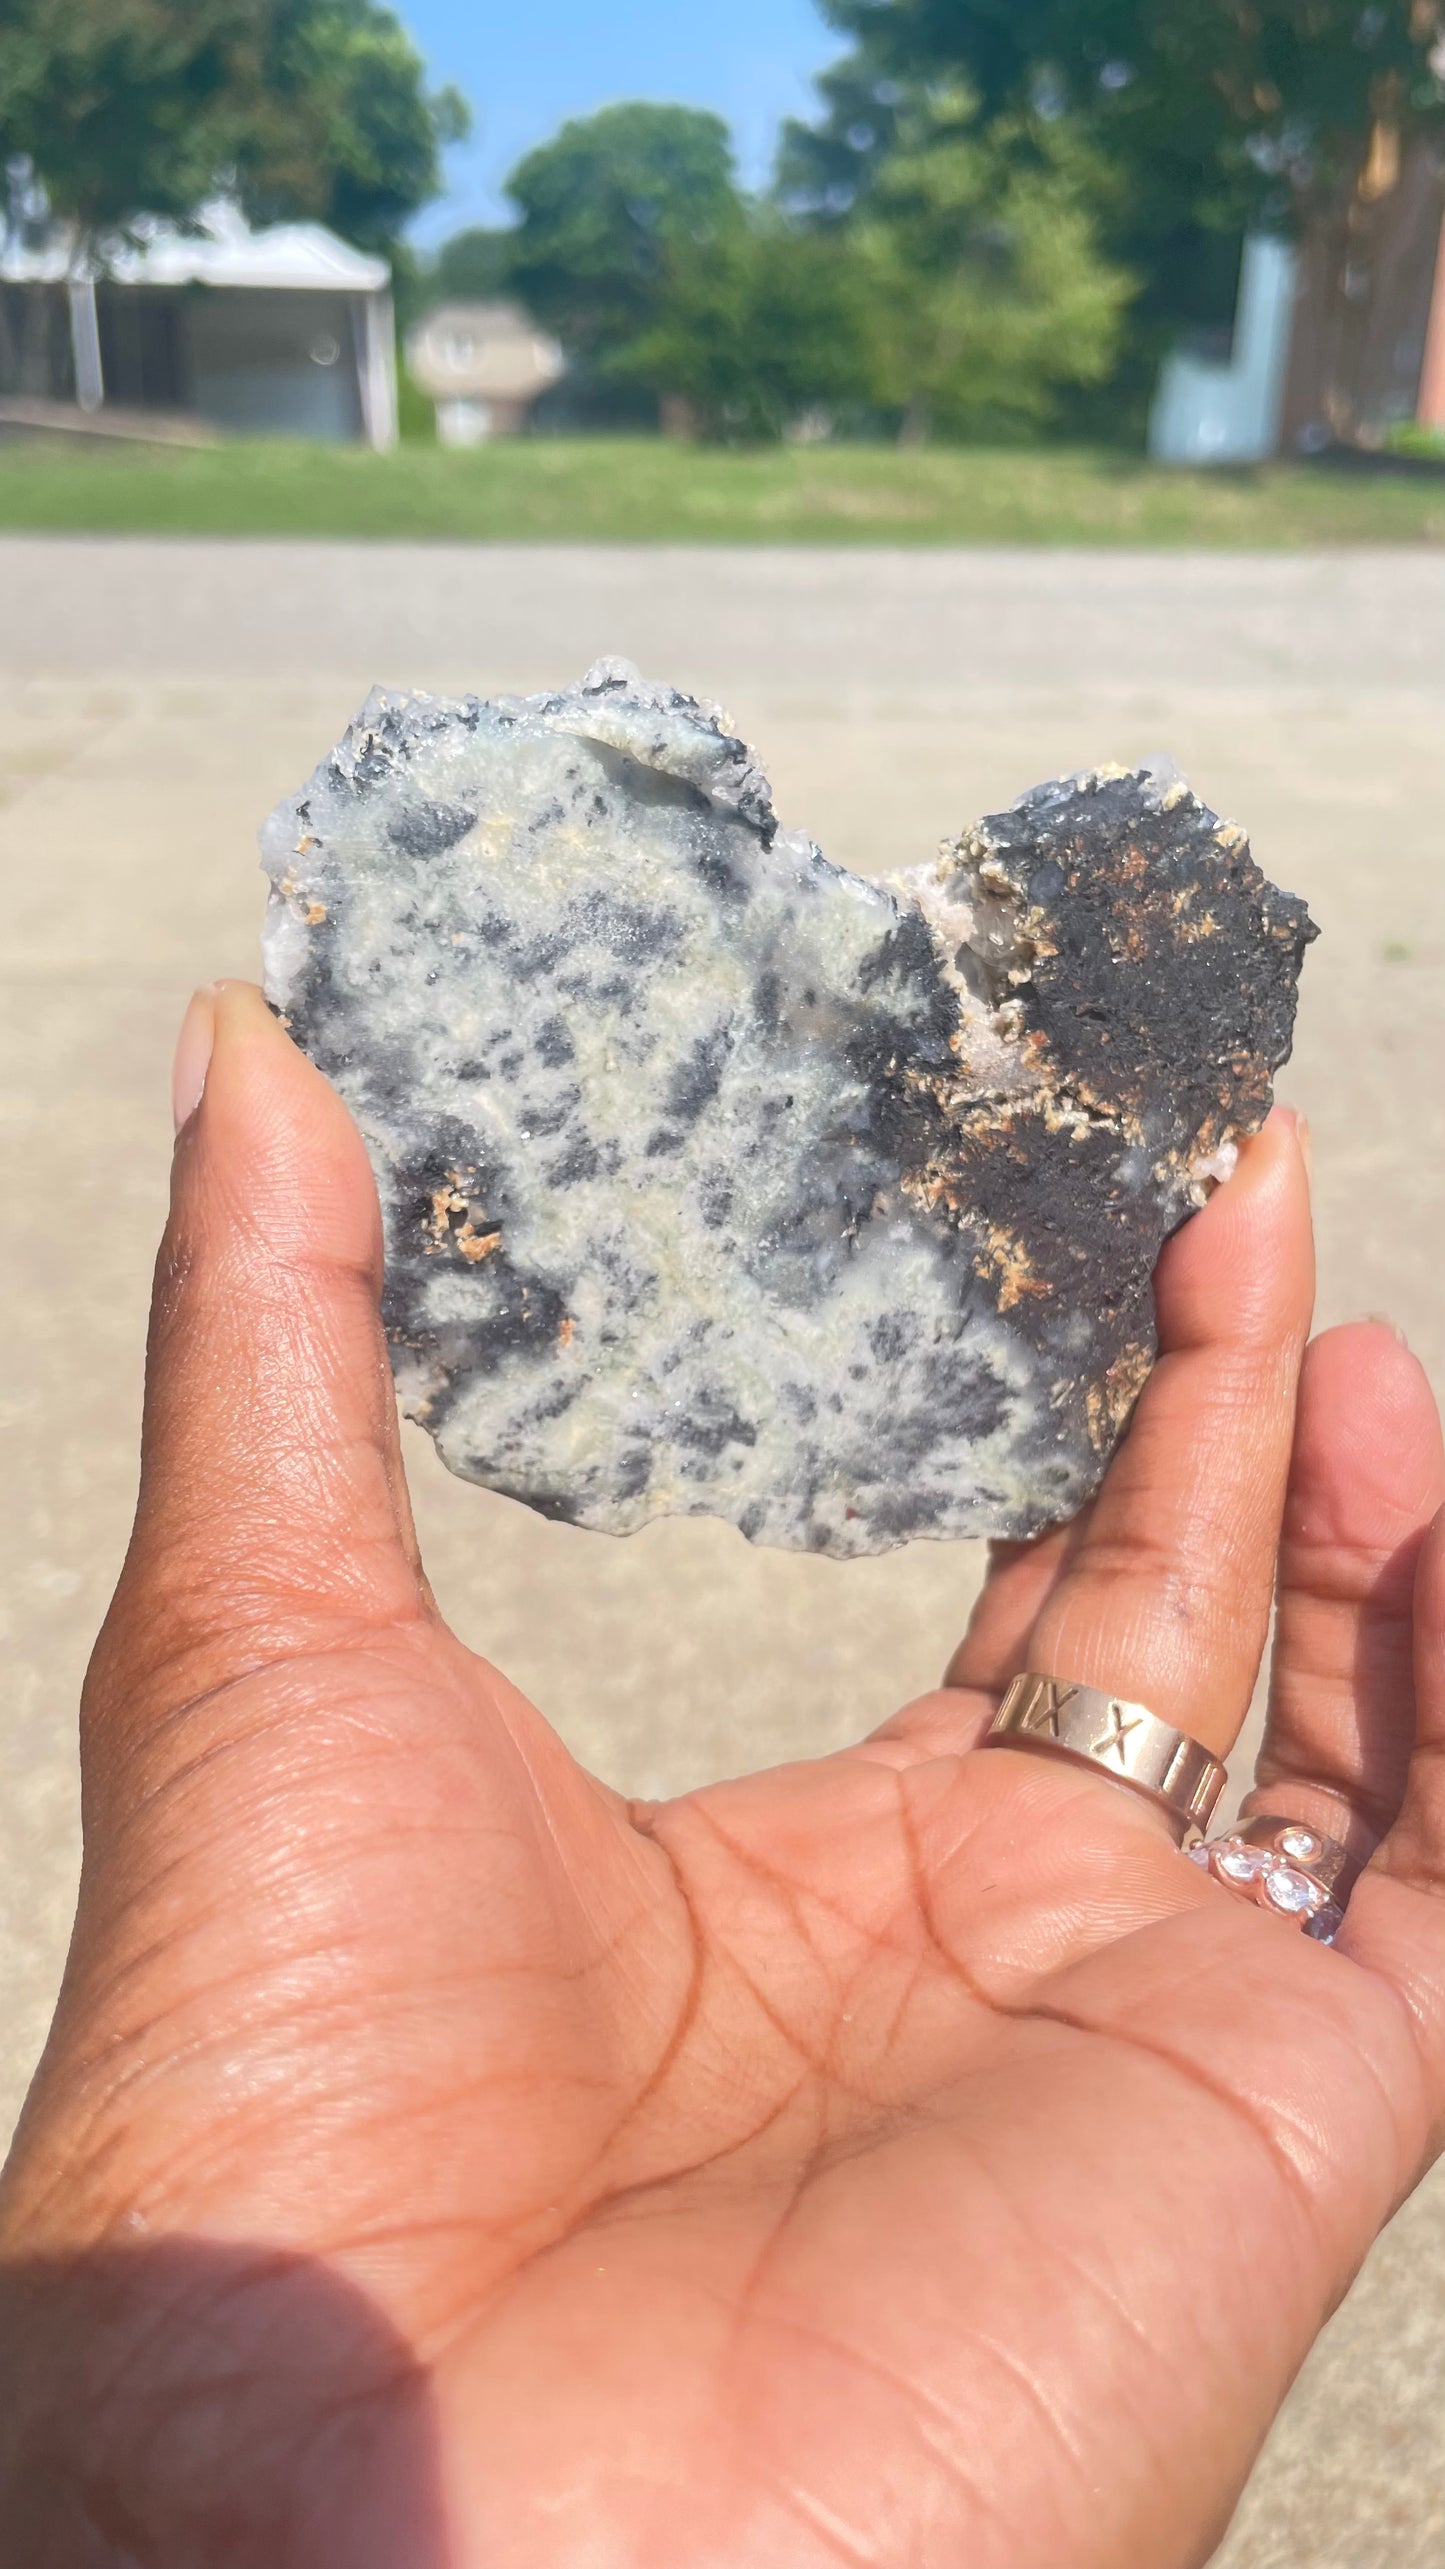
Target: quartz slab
[{"x": 719, "y": 1181}]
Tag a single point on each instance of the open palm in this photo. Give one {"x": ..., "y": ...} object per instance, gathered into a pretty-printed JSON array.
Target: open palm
[{"x": 439, "y": 2163}]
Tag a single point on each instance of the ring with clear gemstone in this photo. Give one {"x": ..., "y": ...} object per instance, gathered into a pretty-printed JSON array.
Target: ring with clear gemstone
[
  {"x": 1264, "y": 1874},
  {"x": 1300, "y": 1844},
  {"x": 1293, "y": 1892},
  {"x": 1241, "y": 1863}
]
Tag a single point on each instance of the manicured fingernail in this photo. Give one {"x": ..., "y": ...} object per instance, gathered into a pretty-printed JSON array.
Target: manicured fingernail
[
  {"x": 193, "y": 1056},
  {"x": 1382, "y": 1320}
]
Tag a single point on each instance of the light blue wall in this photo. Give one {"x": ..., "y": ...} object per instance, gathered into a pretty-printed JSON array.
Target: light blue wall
[{"x": 1232, "y": 414}]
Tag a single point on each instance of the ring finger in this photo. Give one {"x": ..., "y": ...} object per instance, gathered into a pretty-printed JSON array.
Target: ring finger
[
  {"x": 1161, "y": 1592},
  {"x": 1166, "y": 1596}
]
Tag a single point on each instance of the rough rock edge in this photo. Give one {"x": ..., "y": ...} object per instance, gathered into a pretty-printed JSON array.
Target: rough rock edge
[{"x": 996, "y": 944}]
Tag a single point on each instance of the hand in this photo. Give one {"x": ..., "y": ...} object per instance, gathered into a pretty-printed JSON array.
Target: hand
[{"x": 903, "y": 2159}]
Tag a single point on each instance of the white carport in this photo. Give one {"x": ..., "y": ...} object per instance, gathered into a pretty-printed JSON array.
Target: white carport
[{"x": 284, "y": 331}]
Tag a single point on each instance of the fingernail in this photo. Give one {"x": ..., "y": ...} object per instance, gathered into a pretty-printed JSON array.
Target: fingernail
[
  {"x": 1300, "y": 1122},
  {"x": 193, "y": 1055},
  {"x": 1382, "y": 1320}
]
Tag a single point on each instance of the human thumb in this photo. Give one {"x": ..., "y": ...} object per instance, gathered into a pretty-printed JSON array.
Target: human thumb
[{"x": 273, "y": 1504}]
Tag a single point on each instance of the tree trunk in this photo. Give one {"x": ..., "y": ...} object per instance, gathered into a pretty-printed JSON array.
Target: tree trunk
[
  {"x": 37, "y": 337},
  {"x": 1368, "y": 260},
  {"x": 680, "y": 417}
]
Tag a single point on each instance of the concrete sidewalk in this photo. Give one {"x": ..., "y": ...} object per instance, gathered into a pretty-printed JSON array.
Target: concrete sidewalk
[{"x": 156, "y": 699}]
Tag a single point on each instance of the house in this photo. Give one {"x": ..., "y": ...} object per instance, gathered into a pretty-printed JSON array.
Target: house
[
  {"x": 1338, "y": 338},
  {"x": 282, "y": 332},
  {"x": 483, "y": 364}
]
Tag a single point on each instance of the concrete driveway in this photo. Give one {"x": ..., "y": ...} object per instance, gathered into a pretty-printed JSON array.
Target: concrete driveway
[{"x": 156, "y": 699}]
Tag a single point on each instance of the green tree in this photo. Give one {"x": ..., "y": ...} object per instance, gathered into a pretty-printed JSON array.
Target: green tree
[
  {"x": 1269, "y": 88},
  {"x": 123, "y": 106},
  {"x": 758, "y": 325},
  {"x": 1211, "y": 114},
  {"x": 990, "y": 293},
  {"x": 603, "y": 208},
  {"x": 473, "y": 266},
  {"x": 307, "y": 107},
  {"x": 340, "y": 124}
]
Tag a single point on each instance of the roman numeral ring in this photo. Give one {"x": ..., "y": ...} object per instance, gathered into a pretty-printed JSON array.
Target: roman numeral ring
[{"x": 1124, "y": 1741}]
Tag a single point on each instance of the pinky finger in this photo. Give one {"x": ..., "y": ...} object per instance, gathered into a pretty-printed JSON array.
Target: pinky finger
[{"x": 1396, "y": 1920}]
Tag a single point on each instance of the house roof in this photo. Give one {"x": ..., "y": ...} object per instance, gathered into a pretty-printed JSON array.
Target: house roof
[
  {"x": 495, "y": 319},
  {"x": 222, "y": 250}
]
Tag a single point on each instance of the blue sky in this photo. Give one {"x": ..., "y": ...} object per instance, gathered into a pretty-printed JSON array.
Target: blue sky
[{"x": 525, "y": 65}]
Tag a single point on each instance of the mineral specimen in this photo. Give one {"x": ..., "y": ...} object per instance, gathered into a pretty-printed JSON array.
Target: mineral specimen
[{"x": 719, "y": 1181}]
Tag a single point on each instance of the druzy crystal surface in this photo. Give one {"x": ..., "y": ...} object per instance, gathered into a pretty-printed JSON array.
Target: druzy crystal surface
[{"x": 719, "y": 1181}]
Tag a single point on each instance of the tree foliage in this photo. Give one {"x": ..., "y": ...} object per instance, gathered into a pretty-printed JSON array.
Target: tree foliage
[
  {"x": 340, "y": 125},
  {"x": 473, "y": 266},
  {"x": 121, "y": 106},
  {"x": 989, "y": 291},
  {"x": 307, "y": 107},
  {"x": 1288, "y": 86},
  {"x": 1211, "y": 114},
  {"x": 969, "y": 289},
  {"x": 758, "y": 326},
  {"x": 603, "y": 208}
]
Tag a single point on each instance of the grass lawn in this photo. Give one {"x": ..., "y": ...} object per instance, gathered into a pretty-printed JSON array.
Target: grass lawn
[{"x": 650, "y": 490}]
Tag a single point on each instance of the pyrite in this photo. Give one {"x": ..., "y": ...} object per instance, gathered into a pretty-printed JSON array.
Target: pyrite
[{"x": 719, "y": 1181}]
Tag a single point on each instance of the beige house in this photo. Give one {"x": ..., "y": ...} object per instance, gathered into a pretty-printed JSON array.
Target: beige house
[{"x": 484, "y": 365}]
